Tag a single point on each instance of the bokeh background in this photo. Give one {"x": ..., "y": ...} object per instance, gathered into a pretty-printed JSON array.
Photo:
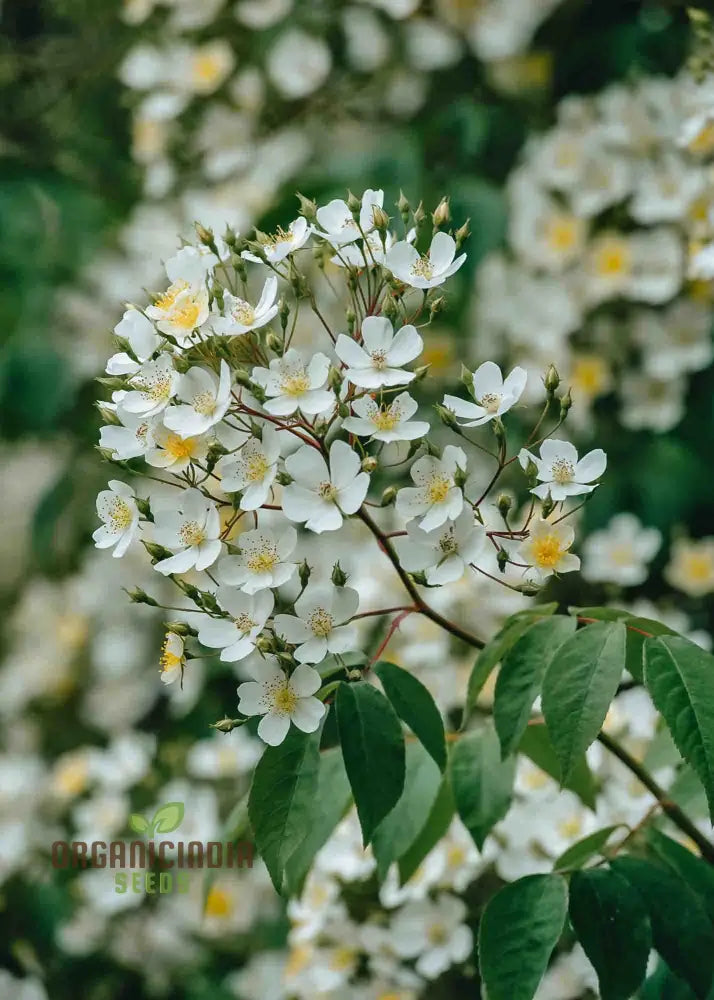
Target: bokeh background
[{"x": 555, "y": 126}]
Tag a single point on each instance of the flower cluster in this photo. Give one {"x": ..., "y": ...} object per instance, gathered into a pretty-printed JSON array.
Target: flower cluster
[
  {"x": 256, "y": 438},
  {"x": 609, "y": 250}
]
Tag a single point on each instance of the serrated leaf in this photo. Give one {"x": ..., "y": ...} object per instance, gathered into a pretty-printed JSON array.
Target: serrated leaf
[
  {"x": 613, "y": 927},
  {"x": 282, "y": 799},
  {"x": 680, "y": 678},
  {"x": 398, "y": 830},
  {"x": 509, "y": 633},
  {"x": 519, "y": 929},
  {"x": 167, "y": 817},
  {"x": 331, "y": 802},
  {"x": 373, "y": 751},
  {"x": 437, "y": 823},
  {"x": 577, "y": 854},
  {"x": 415, "y": 706},
  {"x": 482, "y": 783},
  {"x": 535, "y": 743},
  {"x": 578, "y": 687},
  {"x": 138, "y": 824},
  {"x": 681, "y": 930},
  {"x": 698, "y": 874},
  {"x": 638, "y": 629},
  {"x": 521, "y": 674}
]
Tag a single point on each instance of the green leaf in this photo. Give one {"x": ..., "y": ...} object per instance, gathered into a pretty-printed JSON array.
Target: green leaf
[
  {"x": 330, "y": 805},
  {"x": 578, "y": 687},
  {"x": 577, "y": 854},
  {"x": 137, "y": 823},
  {"x": 493, "y": 652},
  {"x": 681, "y": 930},
  {"x": 282, "y": 799},
  {"x": 415, "y": 706},
  {"x": 167, "y": 817},
  {"x": 519, "y": 929},
  {"x": 536, "y": 744},
  {"x": 482, "y": 783},
  {"x": 373, "y": 751},
  {"x": 612, "y": 925},
  {"x": 638, "y": 629},
  {"x": 521, "y": 674},
  {"x": 698, "y": 874},
  {"x": 437, "y": 823},
  {"x": 680, "y": 677},
  {"x": 398, "y": 831}
]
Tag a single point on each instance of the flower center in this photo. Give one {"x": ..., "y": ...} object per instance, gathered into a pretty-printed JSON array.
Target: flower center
[
  {"x": 218, "y": 903},
  {"x": 295, "y": 383},
  {"x": 491, "y": 401},
  {"x": 263, "y": 560},
  {"x": 547, "y": 551},
  {"x": 191, "y": 533},
  {"x": 256, "y": 467},
  {"x": 697, "y": 566},
  {"x": 447, "y": 543},
  {"x": 204, "y": 403},
  {"x": 562, "y": 471},
  {"x": 120, "y": 515},
  {"x": 342, "y": 958},
  {"x": 244, "y": 623},
  {"x": 284, "y": 700},
  {"x": 622, "y": 555},
  {"x": 280, "y": 236},
  {"x": 562, "y": 233},
  {"x": 168, "y": 299},
  {"x": 186, "y": 316},
  {"x": 386, "y": 419},
  {"x": 207, "y": 68},
  {"x": 156, "y": 385},
  {"x": 379, "y": 359},
  {"x": 168, "y": 660},
  {"x": 243, "y": 313},
  {"x": 571, "y": 827},
  {"x": 613, "y": 258},
  {"x": 180, "y": 448},
  {"x": 327, "y": 491},
  {"x": 320, "y": 621},
  {"x": 438, "y": 489},
  {"x": 437, "y": 934},
  {"x": 423, "y": 268}
]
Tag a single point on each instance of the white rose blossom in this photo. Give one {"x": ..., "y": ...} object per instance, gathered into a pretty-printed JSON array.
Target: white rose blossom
[
  {"x": 339, "y": 226},
  {"x": 192, "y": 531},
  {"x": 561, "y": 472},
  {"x": 236, "y": 636},
  {"x": 281, "y": 699},
  {"x": 206, "y": 399},
  {"x": 143, "y": 341},
  {"x": 318, "y": 626},
  {"x": 386, "y": 421},
  {"x": 425, "y": 270},
  {"x": 436, "y": 497},
  {"x": 378, "y": 362},
  {"x": 291, "y": 383},
  {"x": 241, "y": 317},
  {"x": 444, "y": 552},
  {"x": 319, "y": 496},
  {"x": 493, "y": 395},
  {"x": 252, "y": 469},
  {"x": 262, "y": 562},
  {"x": 152, "y": 388},
  {"x": 119, "y": 514}
]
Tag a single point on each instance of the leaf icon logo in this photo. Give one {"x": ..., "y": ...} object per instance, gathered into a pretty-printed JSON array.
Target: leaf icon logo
[{"x": 166, "y": 819}]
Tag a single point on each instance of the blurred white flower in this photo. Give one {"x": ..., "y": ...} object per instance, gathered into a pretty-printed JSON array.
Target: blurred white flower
[{"x": 621, "y": 553}]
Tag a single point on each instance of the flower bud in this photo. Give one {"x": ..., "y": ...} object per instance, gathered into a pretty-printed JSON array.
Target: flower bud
[
  {"x": 566, "y": 401},
  {"x": 180, "y": 628},
  {"x": 369, "y": 464},
  {"x": 144, "y": 508},
  {"x": 504, "y": 504},
  {"x": 215, "y": 452},
  {"x": 502, "y": 559},
  {"x": 285, "y": 658},
  {"x": 403, "y": 206},
  {"x": 157, "y": 552},
  {"x": 420, "y": 578},
  {"x": 304, "y": 573},
  {"x": 139, "y": 596},
  {"x": 528, "y": 587},
  {"x": 283, "y": 478},
  {"x": 354, "y": 204},
  {"x": 334, "y": 378},
  {"x": 419, "y": 215},
  {"x": 390, "y": 308},
  {"x": 308, "y": 208},
  {"x": 206, "y": 237},
  {"x": 380, "y": 218},
  {"x": 499, "y": 431},
  {"x": 551, "y": 380},
  {"x": 462, "y": 234},
  {"x": 547, "y": 505},
  {"x": 442, "y": 214},
  {"x": 240, "y": 268},
  {"x": 448, "y": 417},
  {"x": 107, "y": 415},
  {"x": 466, "y": 378},
  {"x": 339, "y": 577},
  {"x": 242, "y": 377},
  {"x": 193, "y": 593},
  {"x": 274, "y": 343},
  {"x": 437, "y": 306},
  {"x": 460, "y": 476},
  {"x": 299, "y": 285},
  {"x": 227, "y": 725},
  {"x": 389, "y": 496},
  {"x": 420, "y": 373},
  {"x": 230, "y": 237},
  {"x": 112, "y": 382},
  {"x": 343, "y": 410},
  {"x": 531, "y": 471},
  {"x": 264, "y": 644}
]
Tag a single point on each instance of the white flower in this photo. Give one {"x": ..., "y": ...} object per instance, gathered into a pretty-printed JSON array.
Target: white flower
[
  {"x": 172, "y": 658},
  {"x": 338, "y": 225},
  {"x": 620, "y": 554},
  {"x": 131, "y": 440},
  {"x": 143, "y": 340},
  {"x": 494, "y": 395},
  {"x": 170, "y": 451},
  {"x": 320, "y": 496},
  {"x": 378, "y": 362},
  {"x": 443, "y": 552},
  {"x": 236, "y": 638},
  {"x": 252, "y": 469},
  {"x": 281, "y": 699},
  {"x": 435, "y": 931},
  {"x": 691, "y": 566},
  {"x": 192, "y": 531},
  {"x": 181, "y": 309},
  {"x": 546, "y": 549},
  {"x": 436, "y": 495},
  {"x": 290, "y": 383},
  {"x": 298, "y": 63},
  {"x": 207, "y": 397},
  {"x": 153, "y": 387},
  {"x": 427, "y": 270},
  {"x": 318, "y": 625},
  {"x": 241, "y": 317},
  {"x": 262, "y": 560},
  {"x": 386, "y": 422},
  {"x": 370, "y": 252},
  {"x": 561, "y": 473},
  {"x": 194, "y": 264},
  {"x": 282, "y": 243},
  {"x": 117, "y": 510}
]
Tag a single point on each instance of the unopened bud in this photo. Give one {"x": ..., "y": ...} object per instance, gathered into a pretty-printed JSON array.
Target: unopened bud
[
  {"x": 403, "y": 206},
  {"x": 112, "y": 382},
  {"x": 343, "y": 410},
  {"x": 230, "y": 237},
  {"x": 334, "y": 378},
  {"x": 551, "y": 379},
  {"x": 285, "y": 658},
  {"x": 389, "y": 496},
  {"x": 528, "y": 587},
  {"x": 206, "y": 237},
  {"x": 339, "y": 577},
  {"x": 144, "y": 508},
  {"x": 499, "y": 431},
  {"x": 420, "y": 373},
  {"x": 274, "y": 343},
  {"x": 227, "y": 725},
  {"x": 437, "y": 306},
  {"x": 466, "y": 377},
  {"x": 354, "y": 204},
  {"x": 390, "y": 308},
  {"x": 502, "y": 560},
  {"x": 139, "y": 596},
  {"x": 283, "y": 478},
  {"x": 448, "y": 417},
  {"x": 157, "y": 552},
  {"x": 369, "y": 464},
  {"x": 419, "y": 215},
  {"x": 566, "y": 401},
  {"x": 304, "y": 573},
  {"x": 264, "y": 644},
  {"x": 462, "y": 234},
  {"x": 441, "y": 216},
  {"x": 460, "y": 476},
  {"x": 242, "y": 377},
  {"x": 531, "y": 471},
  {"x": 215, "y": 452},
  {"x": 180, "y": 628},
  {"x": 547, "y": 505},
  {"x": 283, "y": 311},
  {"x": 107, "y": 415},
  {"x": 380, "y": 219},
  {"x": 308, "y": 208},
  {"x": 504, "y": 504}
]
